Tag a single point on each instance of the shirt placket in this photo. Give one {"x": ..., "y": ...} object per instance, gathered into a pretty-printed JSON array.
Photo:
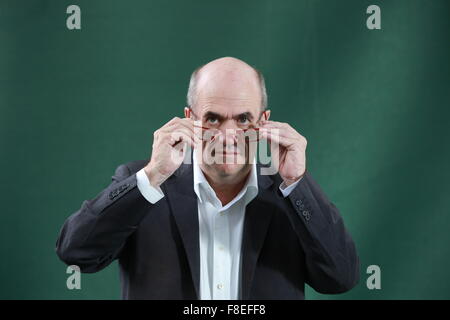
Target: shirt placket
[{"x": 222, "y": 259}]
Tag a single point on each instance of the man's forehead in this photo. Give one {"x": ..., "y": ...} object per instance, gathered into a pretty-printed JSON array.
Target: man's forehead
[
  {"x": 224, "y": 105},
  {"x": 234, "y": 100}
]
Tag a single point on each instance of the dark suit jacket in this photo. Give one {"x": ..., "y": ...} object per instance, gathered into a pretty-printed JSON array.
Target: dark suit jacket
[{"x": 287, "y": 242}]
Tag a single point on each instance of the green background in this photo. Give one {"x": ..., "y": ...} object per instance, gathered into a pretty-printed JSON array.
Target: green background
[{"x": 373, "y": 104}]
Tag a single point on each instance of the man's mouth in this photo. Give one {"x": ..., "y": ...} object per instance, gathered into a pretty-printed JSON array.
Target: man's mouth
[
  {"x": 230, "y": 153},
  {"x": 225, "y": 153}
]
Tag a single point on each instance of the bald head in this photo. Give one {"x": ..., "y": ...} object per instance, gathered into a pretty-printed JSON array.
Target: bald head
[{"x": 227, "y": 79}]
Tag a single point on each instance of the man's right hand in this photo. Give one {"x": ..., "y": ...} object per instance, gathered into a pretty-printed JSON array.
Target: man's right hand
[{"x": 169, "y": 147}]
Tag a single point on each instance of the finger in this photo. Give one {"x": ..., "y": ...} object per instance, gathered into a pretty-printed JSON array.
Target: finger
[
  {"x": 180, "y": 142},
  {"x": 281, "y": 140},
  {"x": 281, "y": 132},
  {"x": 289, "y": 143},
  {"x": 185, "y": 122},
  {"x": 172, "y": 121},
  {"x": 180, "y": 136},
  {"x": 188, "y": 132},
  {"x": 188, "y": 124},
  {"x": 180, "y": 151},
  {"x": 197, "y": 134},
  {"x": 276, "y": 124},
  {"x": 179, "y": 127}
]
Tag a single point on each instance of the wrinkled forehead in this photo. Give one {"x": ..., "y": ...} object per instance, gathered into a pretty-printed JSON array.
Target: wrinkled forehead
[{"x": 227, "y": 104}]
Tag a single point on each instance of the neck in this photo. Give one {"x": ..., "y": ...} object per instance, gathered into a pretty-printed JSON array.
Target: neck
[{"x": 227, "y": 189}]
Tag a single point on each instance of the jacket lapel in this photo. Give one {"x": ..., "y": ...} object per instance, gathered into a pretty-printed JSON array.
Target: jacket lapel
[
  {"x": 256, "y": 222},
  {"x": 183, "y": 202}
]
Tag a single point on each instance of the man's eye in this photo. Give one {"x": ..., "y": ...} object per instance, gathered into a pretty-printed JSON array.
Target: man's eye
[
  {"x": 243, "y": 120},
  {"x": 212, "y": 120}
]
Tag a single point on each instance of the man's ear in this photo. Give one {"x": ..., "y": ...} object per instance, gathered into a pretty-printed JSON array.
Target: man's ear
[
  {"x": 266, "y": 115},
  {"x": 187, "y": 112}
]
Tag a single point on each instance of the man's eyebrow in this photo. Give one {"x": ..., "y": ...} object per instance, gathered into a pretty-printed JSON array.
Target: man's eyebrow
[
  {"x": 247, "y": 114},
  {"x": 211, "y": 114}
]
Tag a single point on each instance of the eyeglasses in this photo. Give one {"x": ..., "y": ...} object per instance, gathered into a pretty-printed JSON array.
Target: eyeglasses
[{"x": 256, "y": 129}]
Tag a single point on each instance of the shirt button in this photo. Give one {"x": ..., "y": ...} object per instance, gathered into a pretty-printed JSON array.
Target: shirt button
[{"x": 219, "y": 286}]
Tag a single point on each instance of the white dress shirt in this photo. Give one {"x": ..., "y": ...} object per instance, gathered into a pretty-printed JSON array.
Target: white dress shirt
[{"x": 220, "y": 231}]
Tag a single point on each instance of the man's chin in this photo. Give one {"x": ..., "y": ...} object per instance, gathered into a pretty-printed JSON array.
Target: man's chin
[{"x": 227, "y": 169}]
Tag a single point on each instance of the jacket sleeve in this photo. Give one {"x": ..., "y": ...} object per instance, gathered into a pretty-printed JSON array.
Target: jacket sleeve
[
  {"x": 332, "y": 262},
  {"x": 93, "y": 237}
]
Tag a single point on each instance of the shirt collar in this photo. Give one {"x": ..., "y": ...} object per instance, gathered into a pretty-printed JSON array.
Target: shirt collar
[{"x": 205, "y": 192}]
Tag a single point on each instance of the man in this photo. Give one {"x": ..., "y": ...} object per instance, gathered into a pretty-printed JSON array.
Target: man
[{"x": 216, "y": 229}]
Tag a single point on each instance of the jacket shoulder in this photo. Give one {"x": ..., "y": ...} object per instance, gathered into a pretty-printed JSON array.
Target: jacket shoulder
[{"x": 136, "y": 165}]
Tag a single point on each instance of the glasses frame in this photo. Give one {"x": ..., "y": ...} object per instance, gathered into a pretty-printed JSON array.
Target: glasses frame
[{"x": 190, "y": 111}]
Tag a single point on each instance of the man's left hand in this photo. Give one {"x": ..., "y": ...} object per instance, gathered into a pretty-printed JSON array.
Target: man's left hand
[{"x": 291, "y": 162}]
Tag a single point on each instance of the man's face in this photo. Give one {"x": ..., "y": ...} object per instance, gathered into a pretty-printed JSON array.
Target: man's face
[{"x": 229, "y": 108}]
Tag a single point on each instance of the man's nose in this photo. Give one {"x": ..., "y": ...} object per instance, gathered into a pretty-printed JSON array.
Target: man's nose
[{"x": 229, "y": 133}]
